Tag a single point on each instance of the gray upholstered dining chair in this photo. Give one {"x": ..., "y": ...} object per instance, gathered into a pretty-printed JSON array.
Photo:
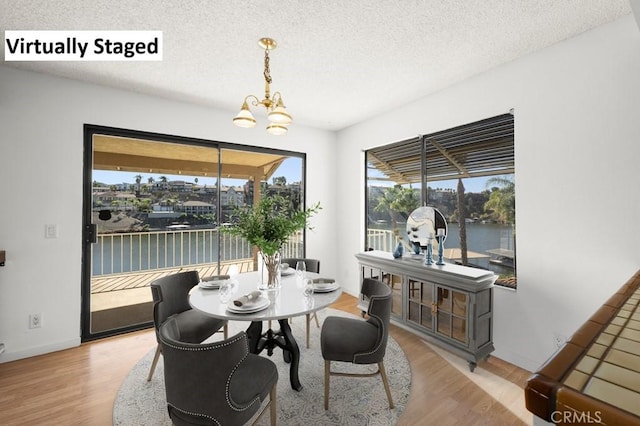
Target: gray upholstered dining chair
[
  {"x": 218, "y": 383},
  {"x": 171, "y": 297},
  {"x": 312, "y": 265},
  {"x": 359, "y": 341}
]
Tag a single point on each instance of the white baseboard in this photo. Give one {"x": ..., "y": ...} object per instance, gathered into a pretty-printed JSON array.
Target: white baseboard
[{"x": 39, "y": 350}]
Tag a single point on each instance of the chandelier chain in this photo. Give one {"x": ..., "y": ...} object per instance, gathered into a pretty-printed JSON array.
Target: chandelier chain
[{"x": 267, "y": 72}]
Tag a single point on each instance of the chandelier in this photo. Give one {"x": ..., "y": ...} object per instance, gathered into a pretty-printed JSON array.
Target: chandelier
[{"x": 276, "y": 111}]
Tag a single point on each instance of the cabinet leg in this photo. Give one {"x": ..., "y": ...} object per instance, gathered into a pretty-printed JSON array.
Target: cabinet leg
[{"x": 472, "y": 365}]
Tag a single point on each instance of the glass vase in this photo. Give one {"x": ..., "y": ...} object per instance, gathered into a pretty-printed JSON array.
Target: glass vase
[{"x": 270, "y": 272}]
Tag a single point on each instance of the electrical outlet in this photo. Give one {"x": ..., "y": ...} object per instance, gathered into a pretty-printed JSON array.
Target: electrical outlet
[
  {"x": 35, "y": 320},
  {"x": 558, "y": 340},
  {"x": 51, "y": 231}
]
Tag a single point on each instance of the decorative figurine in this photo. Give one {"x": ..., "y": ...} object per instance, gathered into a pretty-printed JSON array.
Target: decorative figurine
[{"x": 399, "y": 250}]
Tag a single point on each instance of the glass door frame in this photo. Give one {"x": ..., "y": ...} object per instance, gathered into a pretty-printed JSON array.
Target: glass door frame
[{"x": 89, "y": 232}]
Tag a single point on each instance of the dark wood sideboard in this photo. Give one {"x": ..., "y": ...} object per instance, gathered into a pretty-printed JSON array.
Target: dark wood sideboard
[{"x": 594, "y": 378}]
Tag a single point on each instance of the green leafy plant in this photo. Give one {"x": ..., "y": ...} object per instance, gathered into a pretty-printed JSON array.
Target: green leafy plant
[{"x": 270, "y": 223}]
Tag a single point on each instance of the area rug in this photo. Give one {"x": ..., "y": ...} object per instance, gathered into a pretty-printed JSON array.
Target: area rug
[{"x": 352, "y": 401}]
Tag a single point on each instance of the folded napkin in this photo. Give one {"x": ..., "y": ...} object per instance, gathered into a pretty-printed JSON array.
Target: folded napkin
[
  {"x": 251, "y": 297},
  {"x": 324, "y": 281},
  {"x": 215, "y": 278}
]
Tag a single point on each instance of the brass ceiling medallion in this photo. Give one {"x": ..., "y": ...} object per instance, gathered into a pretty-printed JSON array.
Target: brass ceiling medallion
[{"x": 276, "y": 111}]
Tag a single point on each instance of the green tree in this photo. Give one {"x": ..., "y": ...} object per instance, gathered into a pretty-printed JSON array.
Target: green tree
[
  {"x": 138, "y": 180},
  {"x": 395, "y": 200},
  {"x": 280, "y": 180},
  {"x": 462, "y": 215},
  {"x": 502, "y": 200}
]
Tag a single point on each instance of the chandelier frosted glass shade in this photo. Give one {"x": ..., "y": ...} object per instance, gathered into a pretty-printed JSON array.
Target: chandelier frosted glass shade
[
  {"x": 279, "y": 114},
  {"x": 277, "y": 129},
  {"x": 244, "y": 118}
]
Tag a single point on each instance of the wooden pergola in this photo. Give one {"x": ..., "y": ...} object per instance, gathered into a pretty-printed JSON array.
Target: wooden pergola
[
  {"x": 482, "y": 148},
  {"x": 138, "y": 155}
]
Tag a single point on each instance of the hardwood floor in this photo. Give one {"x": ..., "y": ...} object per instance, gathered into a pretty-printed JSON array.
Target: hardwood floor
[{"x": 78, "y": 386}]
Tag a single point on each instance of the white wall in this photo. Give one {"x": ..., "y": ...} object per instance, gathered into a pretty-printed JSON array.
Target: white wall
[
  {"x": 41, "y": 147},
  {"x": 577, "y": 141},
  {"x": 577, "y": 148}
]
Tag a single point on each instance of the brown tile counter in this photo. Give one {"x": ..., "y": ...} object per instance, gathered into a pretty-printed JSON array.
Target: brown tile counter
[{"x": 595, "y": 377}]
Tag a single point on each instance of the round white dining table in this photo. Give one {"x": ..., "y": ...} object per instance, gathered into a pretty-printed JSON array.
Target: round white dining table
[{"x": 286, "y": 302}]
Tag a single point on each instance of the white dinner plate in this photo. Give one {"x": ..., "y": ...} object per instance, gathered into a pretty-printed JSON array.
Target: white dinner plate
[
  {"x": 325, "y": 287},
  {"x": 209, "y": 285},
  {"x": 249, "y": 308}
]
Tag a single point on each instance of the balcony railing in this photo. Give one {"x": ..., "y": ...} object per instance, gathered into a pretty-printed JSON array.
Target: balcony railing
[
  {"x": 121, "y": 253},
  {"x": 381, "y": 239},
  {"x": 143, "y": 251}
]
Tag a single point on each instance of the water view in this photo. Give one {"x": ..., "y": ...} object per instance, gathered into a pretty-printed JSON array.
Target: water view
[{"x": 482, "y": 239}]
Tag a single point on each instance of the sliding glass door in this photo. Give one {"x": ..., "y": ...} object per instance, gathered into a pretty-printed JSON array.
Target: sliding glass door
[{"x": 154, "y": 204}]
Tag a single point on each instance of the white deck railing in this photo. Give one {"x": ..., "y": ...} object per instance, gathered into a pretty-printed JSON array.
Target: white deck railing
[
  {"x": 142, "y": 251},
  {"x": 381, "y": 239}
]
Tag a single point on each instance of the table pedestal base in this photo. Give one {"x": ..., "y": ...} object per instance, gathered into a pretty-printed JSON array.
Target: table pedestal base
[{"x": 283, "y": 339}]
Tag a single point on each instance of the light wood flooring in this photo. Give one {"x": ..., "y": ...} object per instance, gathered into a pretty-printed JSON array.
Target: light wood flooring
[{"x": 78, "y": 386}]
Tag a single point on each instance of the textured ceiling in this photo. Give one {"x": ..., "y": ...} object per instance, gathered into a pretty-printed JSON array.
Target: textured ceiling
[{"x": 337, "y": 62}]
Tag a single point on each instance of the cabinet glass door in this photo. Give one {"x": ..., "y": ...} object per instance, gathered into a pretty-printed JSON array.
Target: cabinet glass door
[
  {"x": 420, "y": 303},
  {"x": 395, "y": 282},
  {"x": 414, "y": 288},
  {"x": 452, "y": 313}
]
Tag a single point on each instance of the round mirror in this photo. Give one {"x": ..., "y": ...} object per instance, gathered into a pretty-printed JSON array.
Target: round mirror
[{"x": 423, "y": 223}]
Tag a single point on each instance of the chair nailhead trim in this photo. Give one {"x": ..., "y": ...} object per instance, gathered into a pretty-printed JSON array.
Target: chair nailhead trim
[
  {"x": 206, "y": 347},
  {"x": 227, "y": 392},
  {"x": 211, "y": 346},
  {"x": 190, "y": 413}
]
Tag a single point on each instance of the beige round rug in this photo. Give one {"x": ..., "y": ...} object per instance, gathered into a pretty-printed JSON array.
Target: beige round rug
[{"x": 352, "y": 401}]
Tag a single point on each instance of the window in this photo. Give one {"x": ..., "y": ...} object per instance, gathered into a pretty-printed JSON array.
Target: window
[{"x": 468, "y": 174}]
